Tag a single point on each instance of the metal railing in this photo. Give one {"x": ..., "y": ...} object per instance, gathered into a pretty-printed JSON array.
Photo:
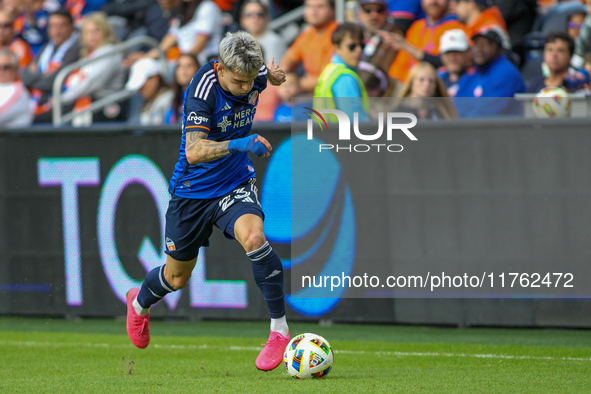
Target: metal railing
[
  {"x": 284, "y": 20},
  {"x": 58, "y": 118}
]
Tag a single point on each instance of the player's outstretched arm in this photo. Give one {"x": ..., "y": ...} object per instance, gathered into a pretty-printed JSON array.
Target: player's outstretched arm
[{"x": 198, "y": 149}]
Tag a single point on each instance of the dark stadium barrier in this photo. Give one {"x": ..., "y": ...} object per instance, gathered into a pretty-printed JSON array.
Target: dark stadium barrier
[{"x": 80, "y": 222}]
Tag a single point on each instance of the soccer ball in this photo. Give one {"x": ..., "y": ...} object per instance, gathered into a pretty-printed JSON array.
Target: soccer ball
[
  {"x": 551, "y": 103},
  {"x": 308, "y": 356}
]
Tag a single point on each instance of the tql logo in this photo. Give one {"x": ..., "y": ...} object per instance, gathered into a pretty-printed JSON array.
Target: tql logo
[{"x": 344, "y": 124}]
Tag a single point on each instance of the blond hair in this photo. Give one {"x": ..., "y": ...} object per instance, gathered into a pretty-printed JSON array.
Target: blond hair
[
  {"x": 240, "y": 53},
  {"x": 444, "y": 105},
  {"x": 99, "y": 18}
]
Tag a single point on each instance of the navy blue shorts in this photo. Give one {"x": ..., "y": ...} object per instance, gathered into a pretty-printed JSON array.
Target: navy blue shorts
[{"x": 189, "y": 222}]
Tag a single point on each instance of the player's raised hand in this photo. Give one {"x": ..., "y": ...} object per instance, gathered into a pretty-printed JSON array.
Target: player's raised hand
[{"x": 276, "y": 76}]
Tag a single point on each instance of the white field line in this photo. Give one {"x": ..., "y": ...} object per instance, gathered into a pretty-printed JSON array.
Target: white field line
[{"x": 257, "y": 348}]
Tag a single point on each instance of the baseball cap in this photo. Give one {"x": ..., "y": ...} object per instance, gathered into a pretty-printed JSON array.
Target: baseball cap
[
  {"x": 140, "y": 72},
  {"x": 491, "y": 34},
  {"x": 453, "y": 40}
]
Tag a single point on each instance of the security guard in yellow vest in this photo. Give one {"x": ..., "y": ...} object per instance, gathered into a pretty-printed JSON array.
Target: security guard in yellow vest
[{"x": 339, "y": 86}]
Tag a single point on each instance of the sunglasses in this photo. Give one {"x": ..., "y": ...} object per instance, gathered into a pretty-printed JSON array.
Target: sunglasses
[
  {"x": 6, "y": 25},
  {"x": 574, "y": 25},
  {"x": 6, "y": 67},
  {"x": 379, "y": 10},
  {"x": 354, "y": 46},
  {"x": 252, "y": 14}
]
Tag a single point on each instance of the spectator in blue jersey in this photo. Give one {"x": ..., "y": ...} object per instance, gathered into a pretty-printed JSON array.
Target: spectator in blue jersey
[
  {"x": 494, "y": 76},
  {"x": 213, "y": 185},
  {"x": 454, "y": 49},
  {"x": 556, "y": 70},
  {"x": 405, "y": 12},
  {"x": 31, "y": 24},
  {"x": 339, "y": 86}
]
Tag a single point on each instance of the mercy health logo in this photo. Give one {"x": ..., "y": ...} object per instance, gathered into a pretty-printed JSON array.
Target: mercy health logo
[{"x": 344, "y": 124}]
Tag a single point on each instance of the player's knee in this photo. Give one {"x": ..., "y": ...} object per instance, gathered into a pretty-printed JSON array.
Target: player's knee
[
  {"x": 254, "y": 240},
  {"x": 180, "y": 281}
]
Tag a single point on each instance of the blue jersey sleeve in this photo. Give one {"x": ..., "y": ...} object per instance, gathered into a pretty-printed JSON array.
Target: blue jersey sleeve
[
  {"x": 200, "y": 100},
  {"x": 260, "y": 81},
  {"x": 197, "y": 115}
]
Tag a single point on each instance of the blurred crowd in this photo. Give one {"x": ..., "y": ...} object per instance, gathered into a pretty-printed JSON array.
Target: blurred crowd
[{"x": 405, "y": 50}]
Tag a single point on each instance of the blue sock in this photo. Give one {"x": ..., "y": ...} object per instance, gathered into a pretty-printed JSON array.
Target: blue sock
[
  {"x": 268, "y": 275},
  {"x": 154, "y": 288}
]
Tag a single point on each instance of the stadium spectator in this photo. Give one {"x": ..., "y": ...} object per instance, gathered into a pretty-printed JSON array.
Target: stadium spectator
[
  {"x": 156, "y": 24},
  {"x": 425, "y": 95},
  {"x": 481, "y": 15},
  {"x": 31, "y": 24},
  {"x": 339, "y": 86},
  {"x": 373, "y": 15},
  {"x": 13, "y": 7},
  {"x": 558, "y": 51},
  {"x": 99, "y": 78},
  {"x": 126, "y": 16},
  {"x": 197, "y": 30},
  {"x": 575, "y": 23},
  {"x": 519, "y": 17},
  {"x": 290, "y": 110},
  {"x": 313, "y": 47},
  {"x": 456, "y": 58},
  {"x": 493, "y": 76},
  {"x": 377, "y": 54},
  {"x": 587, "y": 64},
  {"x": 62, "y": 49},
  {"x": 583, "y": 41},
  {"x": 146, "y": 78},
  {"x": 254, "y": 18},
  {"x": 80, "y": 8},
  {"x": 405, "y": 12},
  {"x": 15, "y": 108},
  {"x": 9, "y": 40},
  {"x": 422, "y": 39},
  {"x": 186, "y": 67}
]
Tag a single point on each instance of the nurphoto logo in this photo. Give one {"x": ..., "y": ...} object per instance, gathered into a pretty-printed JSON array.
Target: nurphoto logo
[{"x": 344, "y": 124}]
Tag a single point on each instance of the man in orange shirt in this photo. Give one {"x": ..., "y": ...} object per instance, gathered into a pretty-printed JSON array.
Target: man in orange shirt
[
  {"x": 422, "y": 39},
  {"x": 480, "y": 15},
  {"x": 15, "y": 44},
  {"x": 313, "y": 47}
]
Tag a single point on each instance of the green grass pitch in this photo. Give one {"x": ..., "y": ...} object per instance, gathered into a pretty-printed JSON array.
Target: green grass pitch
[{"x": 95, "y": 356}]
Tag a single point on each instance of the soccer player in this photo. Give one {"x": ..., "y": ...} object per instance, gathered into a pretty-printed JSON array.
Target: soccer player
[{"x": 213, "y": 184}]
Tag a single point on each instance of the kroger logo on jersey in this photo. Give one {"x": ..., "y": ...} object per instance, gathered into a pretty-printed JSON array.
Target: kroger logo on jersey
[
  {"x": 196, "y": 119},
  {"x": 344, "y": 131}
]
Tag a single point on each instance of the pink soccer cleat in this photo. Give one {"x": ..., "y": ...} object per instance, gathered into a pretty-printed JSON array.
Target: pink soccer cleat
[
  {"x": 138, "y": 326},
  {"x": 272, "y": 354}
]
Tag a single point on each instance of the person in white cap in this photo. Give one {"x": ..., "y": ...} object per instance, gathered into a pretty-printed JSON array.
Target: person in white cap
[
  {"x": 456, "y": 58},
  {"x": 146, "y": 79}
]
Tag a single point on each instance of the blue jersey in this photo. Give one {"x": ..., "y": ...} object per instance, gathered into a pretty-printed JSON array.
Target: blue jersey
[{"x": 223, "y": 116}]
